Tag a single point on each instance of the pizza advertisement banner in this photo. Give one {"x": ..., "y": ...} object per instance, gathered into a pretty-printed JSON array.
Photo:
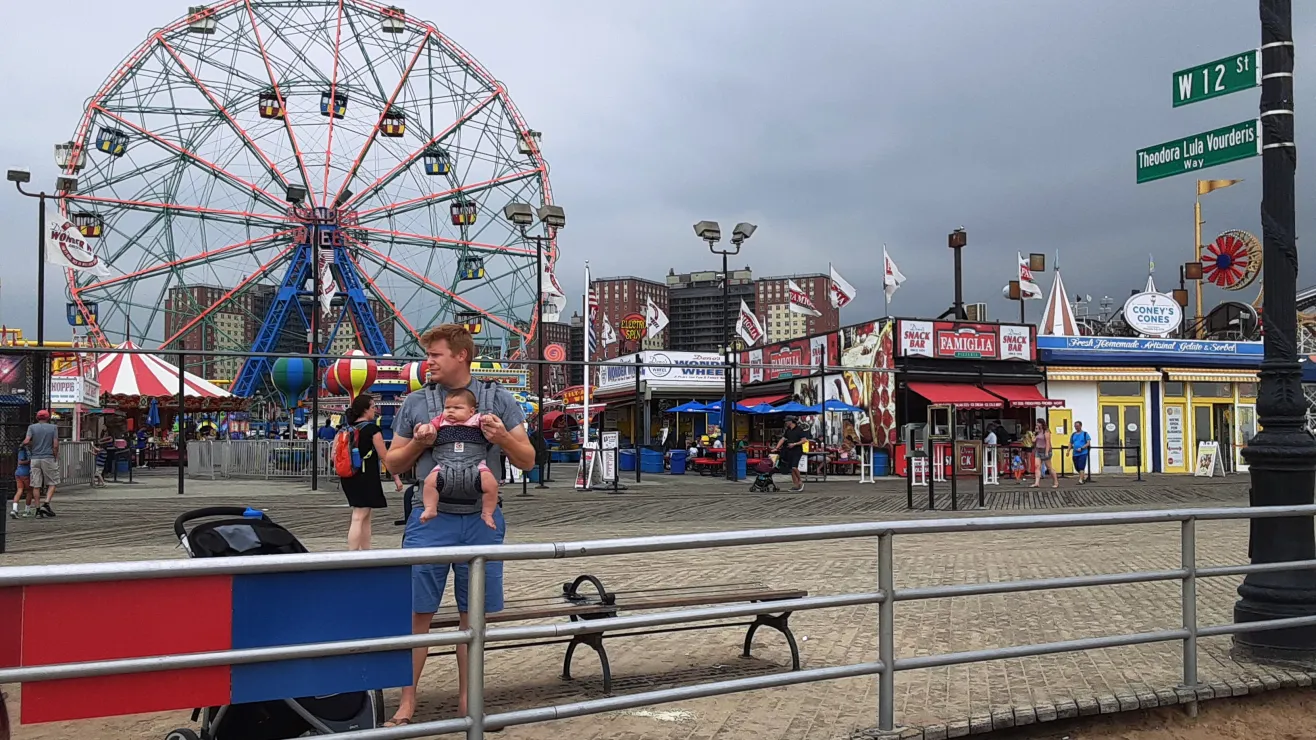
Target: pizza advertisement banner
[
  {"x": 862, "y": 349},
  {"x": 958, "y": 340}
]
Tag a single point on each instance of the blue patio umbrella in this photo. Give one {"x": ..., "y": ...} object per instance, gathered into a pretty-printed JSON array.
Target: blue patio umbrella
[
  {"x": 692, "y": 407},
  {"x": 763, "y": 409},
  {"x": 795, "y": 408},
  {"x": 153, "y": 414},
  {"x": 834, "y": 405}
]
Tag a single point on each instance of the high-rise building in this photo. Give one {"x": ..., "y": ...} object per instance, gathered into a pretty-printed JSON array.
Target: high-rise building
[
  {"x": 779, "y": 322},
  {"x": 697, "y": 319},
  {"x": 236, "y": 323},
  {"x": 576, "y": 349},
  {"x": 620, "y": 297}
]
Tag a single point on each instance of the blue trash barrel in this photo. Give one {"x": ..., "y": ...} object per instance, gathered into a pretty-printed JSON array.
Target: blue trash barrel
[
  {"x": 742, "y": 461},
  {"x": 651, "y": 461},
  {"x": 532, "y": 475},
  {"x": 881, "y": 461},
  {"x": 678, "y": 462},
  {"x": 628, "y": 460},
  {"x": 122, "y": 464}
]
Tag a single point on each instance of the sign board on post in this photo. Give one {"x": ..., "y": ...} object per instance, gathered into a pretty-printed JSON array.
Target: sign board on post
[
  {"x": 1191, "y": 153},
  {"x": 1152, "y": 314},
  {"x": 632, "y": 327},
  {"x": 1221, "y": 77}
]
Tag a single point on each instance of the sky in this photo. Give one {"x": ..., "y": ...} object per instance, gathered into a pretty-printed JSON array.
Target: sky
[{"x": 836, "y": 127}]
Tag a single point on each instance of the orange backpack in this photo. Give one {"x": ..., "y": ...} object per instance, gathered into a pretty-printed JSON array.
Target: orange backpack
[{"x": 346, "y": 451}]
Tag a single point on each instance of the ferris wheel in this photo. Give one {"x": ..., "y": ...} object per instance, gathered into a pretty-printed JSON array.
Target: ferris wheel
[{"x": 233, "y": 138}]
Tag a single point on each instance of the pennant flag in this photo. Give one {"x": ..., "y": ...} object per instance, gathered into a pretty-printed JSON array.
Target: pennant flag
[
  {"x": 842, "y": 292},
  {"x": 655, "y": 320},
  {"x": 554, "y": 300},
  {"x": 1058, "y": 316},
  {"x": 609, "y": 333},
  {"x": 327, "y": 285},
  {"x": 1028, "y": 290},
  {"x": 748, "y": 326},
  {"x": 800, "y": 302},
  {"x": 1206, "y": 186},
  {"x": 67, "y": 247},
  {"x": 892, "y": 277}
]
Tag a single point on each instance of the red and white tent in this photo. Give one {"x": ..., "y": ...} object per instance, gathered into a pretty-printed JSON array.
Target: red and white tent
[{"x": 126, "y": 376}]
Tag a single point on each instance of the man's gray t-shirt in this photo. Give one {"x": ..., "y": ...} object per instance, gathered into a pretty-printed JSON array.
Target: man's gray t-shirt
[
  {"x": 43, "y": 436},
  {"x": 416, "y": 410}
]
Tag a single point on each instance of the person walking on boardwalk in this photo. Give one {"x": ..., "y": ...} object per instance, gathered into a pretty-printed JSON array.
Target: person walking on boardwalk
[
  {"x": 42, "y": 442},
  {"x": 1080, "y": 442},
  {"x": 1042, "y": 455}
]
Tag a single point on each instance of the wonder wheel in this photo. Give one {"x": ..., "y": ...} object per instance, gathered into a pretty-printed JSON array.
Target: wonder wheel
[{"x": 236, "y": 137}]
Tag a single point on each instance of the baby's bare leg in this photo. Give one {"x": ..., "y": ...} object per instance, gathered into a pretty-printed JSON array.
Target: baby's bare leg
[
  {"x": 430, "y": 492},
  {"x": 489, "y": 496}
]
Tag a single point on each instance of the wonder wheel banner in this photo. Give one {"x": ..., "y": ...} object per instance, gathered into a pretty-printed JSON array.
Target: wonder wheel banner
[{"x": 67, "y": 247}]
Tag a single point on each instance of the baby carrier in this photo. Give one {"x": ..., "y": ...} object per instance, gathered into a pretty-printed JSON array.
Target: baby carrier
[{"x": 458, "y": 452}]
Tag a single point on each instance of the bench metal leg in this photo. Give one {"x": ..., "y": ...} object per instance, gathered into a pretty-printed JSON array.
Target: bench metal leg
[
  {"x": 593, "y": 640},
  {"x": 781, "y": 623}
]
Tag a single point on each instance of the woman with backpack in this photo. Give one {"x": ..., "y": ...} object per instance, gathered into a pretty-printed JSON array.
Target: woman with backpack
[{"x": 362, "y": 486}]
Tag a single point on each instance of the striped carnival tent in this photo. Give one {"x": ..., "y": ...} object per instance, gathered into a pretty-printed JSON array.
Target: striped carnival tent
[{"x": 132, "y": 380}]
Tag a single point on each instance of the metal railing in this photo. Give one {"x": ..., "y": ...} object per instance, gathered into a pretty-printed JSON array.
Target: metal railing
[
  {"x": 263, "y": 459},
  {"x": 77, "y": 463},
  {"x": 886, "y": 595}
]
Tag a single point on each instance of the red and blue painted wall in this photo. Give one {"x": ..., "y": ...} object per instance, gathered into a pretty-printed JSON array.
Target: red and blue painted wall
[{"x": 108, "y": 620}]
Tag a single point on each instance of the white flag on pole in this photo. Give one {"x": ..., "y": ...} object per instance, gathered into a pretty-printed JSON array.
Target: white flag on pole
[
  {"x": 554, "y": 300},
  {"x": 609, "y": 333},
  {"x": 1028, "y": 289},
  {"x": 842, "y": 291},
  {"x": 654, "y": 319},
  {"x": 327, "y": 285},
  {"x": 800, "y": 302},
  {"x": 748, "y": 326},
  {"x": 67, "y": 247},
  {"x": 892, "y": 277}
]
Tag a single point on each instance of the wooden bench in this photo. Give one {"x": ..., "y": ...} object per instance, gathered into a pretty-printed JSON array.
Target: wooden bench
[{"x": 576, "y": 605}]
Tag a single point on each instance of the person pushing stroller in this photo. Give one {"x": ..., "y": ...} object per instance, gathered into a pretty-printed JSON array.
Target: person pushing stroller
[{"x": 790, "y": 449}]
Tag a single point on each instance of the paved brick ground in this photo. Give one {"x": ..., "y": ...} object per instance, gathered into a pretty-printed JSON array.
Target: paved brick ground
[{"x": 943, "y": 702}]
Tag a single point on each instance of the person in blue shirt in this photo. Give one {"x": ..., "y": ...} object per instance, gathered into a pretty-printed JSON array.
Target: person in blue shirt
[{"x": 1080, "y": 443}]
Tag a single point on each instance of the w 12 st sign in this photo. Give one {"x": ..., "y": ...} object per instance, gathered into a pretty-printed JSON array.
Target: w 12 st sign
[
  {"x": 1221, "y": 77},
  {"x": 1208, "y": 149}
]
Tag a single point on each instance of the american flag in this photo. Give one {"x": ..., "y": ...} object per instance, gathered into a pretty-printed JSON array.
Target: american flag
[{"x": 591, "y": 334}]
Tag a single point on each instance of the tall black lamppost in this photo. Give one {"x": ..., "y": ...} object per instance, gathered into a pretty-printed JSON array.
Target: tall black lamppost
[
  {"x": 710, "y": 232},
  {"x": 64, "y": 184},
  {"x": 1282, "y": 456},
  {"x": 553, "y": 218}
]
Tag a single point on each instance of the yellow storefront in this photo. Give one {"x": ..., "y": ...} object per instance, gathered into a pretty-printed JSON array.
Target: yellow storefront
[
  {"x": 1113, "y": 405},
  {"x": 1210, "y": 406}
]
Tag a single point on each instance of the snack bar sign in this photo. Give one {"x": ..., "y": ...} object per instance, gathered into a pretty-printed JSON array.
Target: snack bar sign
[{"x": 954, "y": 340}]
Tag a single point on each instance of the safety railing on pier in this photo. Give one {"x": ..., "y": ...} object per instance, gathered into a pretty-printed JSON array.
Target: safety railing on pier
[{"x": 885, "y": 665}]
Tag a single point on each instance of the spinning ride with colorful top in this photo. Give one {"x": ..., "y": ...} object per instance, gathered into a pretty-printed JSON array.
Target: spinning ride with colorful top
[{"x": 233, "y": 139}]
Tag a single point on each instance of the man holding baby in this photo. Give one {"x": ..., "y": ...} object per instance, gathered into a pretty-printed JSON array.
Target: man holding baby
[{"x": 449, "y": 350}]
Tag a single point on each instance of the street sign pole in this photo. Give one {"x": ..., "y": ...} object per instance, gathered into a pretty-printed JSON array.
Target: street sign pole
[
  {"x": 1282, "y": 455},
  {"x": 1213, "y": 79}
]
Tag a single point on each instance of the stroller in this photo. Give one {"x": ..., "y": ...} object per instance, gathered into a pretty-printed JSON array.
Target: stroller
[
  {"x": 763, "y": 482},
  {"x": 250, "y": 532}
]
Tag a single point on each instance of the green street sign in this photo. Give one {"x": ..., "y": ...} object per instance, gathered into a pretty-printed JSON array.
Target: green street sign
[
  {"x": 1213, "y": 79},
  {"x": 1228, "y": 144}
]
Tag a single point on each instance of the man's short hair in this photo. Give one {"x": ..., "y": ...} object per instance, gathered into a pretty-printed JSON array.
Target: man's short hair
[
  {"x": 456, "y": 335},
  {"x": 465, "y": 396}
]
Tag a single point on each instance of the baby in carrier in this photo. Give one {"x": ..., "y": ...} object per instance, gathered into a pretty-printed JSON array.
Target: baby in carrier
[{"x": 460, "y": 471}]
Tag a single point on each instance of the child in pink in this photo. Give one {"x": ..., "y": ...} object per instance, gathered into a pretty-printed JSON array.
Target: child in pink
[{"x": 459, "y": 411}]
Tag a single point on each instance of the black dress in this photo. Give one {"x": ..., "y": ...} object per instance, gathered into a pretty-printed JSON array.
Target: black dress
[{"x": 365, "y": 490}]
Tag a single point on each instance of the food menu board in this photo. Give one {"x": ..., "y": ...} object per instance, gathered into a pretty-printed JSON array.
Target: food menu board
[{"x": 868, "y": 346}]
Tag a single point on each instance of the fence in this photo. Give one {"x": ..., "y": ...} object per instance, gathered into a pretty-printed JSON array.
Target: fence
[
  {"x": 885, "y": 665},
  {"x": 258, "y": 458},
  {"x": 76, "y": 463}
]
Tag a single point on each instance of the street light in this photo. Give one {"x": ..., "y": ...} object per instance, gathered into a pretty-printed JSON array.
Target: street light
[
  {"x": 65, "y": 184},
  {"x": 553, "y": 217},
  {"x": 710, "y": 232}
]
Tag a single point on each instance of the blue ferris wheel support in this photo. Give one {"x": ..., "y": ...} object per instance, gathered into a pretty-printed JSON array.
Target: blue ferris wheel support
[{"x": 295, "y": 285}]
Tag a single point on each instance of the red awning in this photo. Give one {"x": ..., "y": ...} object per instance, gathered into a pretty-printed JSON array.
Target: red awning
[
  {"x": 756, "y": 400},
  {"x": 1024, "y": 396},
  {"x": 959, "y": 395}
]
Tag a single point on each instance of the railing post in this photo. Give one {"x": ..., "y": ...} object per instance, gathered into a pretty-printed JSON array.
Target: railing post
[
  {"x": 1138, "y": 453},
  {"x": 954, "y": 475},
  {"x": 886, "y": 635},
  {"x": 982, "y": 474},
  {"x": 1188, "y": 601},
  {"x": 909, "y": 479},
  {"x": 475, "y": 651}
]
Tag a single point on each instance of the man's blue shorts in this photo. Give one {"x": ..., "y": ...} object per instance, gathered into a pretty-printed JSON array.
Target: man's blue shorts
[
  {"x": 429, "y": 581},
  {"x": 1080, "y": 463}
]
